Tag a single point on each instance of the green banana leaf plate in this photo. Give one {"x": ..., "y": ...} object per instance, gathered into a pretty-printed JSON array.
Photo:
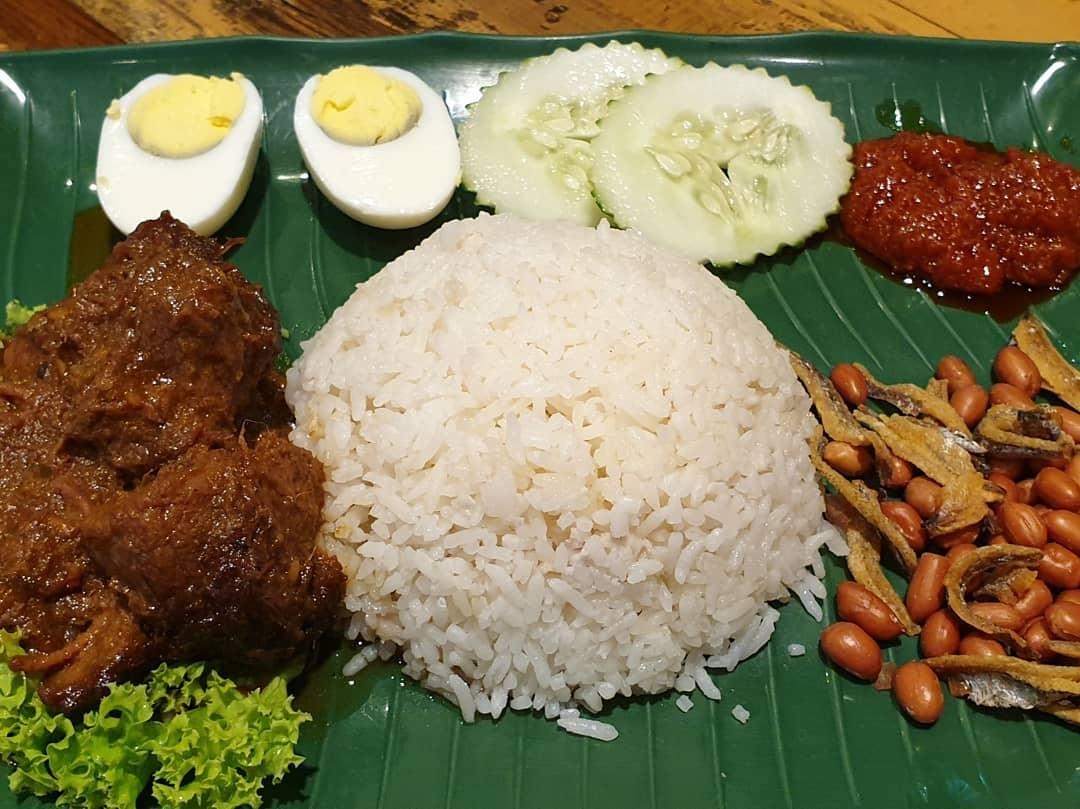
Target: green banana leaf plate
[{"x": 814, "y": 738}]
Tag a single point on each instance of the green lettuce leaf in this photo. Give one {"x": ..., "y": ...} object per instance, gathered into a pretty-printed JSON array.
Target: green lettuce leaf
[
  {"x": 26, "y": 727},
  {"x": 218, "y": 754},
  {"x": 16, "y": 314},
  {"x": 106, "y": 763},
  {"x": 189, "y": 736},
  {"x": 175, "y": 688}
]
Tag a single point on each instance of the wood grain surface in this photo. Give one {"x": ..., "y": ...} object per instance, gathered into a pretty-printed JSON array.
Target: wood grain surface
[{"x": 32, "y": 24}]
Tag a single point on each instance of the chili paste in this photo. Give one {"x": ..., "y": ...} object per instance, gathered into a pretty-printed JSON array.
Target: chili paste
[{"x": 964, "y": 217}]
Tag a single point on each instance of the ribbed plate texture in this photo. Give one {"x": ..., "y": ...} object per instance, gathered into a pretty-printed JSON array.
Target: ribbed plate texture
[{"x": 814, "y": 738}]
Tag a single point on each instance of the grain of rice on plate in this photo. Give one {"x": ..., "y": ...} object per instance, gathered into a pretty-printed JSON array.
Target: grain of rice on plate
[{"x": 563, "y": 464}]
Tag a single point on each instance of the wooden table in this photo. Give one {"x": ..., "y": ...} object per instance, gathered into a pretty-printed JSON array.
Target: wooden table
[{"x": 30, "y": 24}]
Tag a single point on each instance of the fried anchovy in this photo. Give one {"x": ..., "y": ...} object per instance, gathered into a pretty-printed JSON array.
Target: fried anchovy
[
  {"x": 1009, "y": 682},
  {"x": 864, "y": 557},
  {"x": 832, "y": 410},
  {"x": 864, "y": 500},
  {"x": 911, "y": 400},
  {"x": 1028, "y": 433},
  {"x": 1063, "y": 711},
  {"x": 1058, "y": 375},
  {"x": 938, "y": 388},
  {"x": 933, "y": 450},
  {"x": 1065, "y": 648},
  {"x": 992, "y": 566}
]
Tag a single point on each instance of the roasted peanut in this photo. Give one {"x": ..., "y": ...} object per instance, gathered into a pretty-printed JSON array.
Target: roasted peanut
[
  {"x": 1006, "y": 394},
  {"x": 893, "y": 471},
  {"x": 1037, "y": 636},
  {"x": 940, "y": 634},
  {"x": 1063, "y": 527},
  {"x": 1013, "y": 366},
  {"x": 1025, "y": 491},
  {"x": 1038, "y": 464},
  {"x": 857, "y": 604},
  {"x": 1035, "y": 600},
  {"x": 1070, "y": 421},
  {"x": 1021, "y": 524},
  {"x": 1059, "y": 567},
  {"x": 961, "y": 549},
  {"x": 1005, "y": 483},
  {"x": 961, "y": 536},
  {"x": 849, "y": 383},
  {"x": 1057, "y": 489},
  {"x": 848, "y": 460},
  {"x": 954, "y": 371},
  {"x": 909, "y": 522},
  {"x": 924, "y": 495},
  {"x": 848, "y": 646},
  {"x": 1063, "y": 620},
  {"x": 970, "y": 402},
  {"x": 1005, "y": 616},
  {"x": 1072, "y": 468},
  {"x": 1011, "y": 468},
  {"x": 976, "y": 643},
  {"x": 1039, "y": 507},
  {"x": 918, "y": 692},
  {"x": 926, "y": 590}
]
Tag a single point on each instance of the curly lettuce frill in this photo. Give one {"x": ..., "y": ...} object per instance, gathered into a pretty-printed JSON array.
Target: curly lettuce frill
[{"x": 190, "y": 737}]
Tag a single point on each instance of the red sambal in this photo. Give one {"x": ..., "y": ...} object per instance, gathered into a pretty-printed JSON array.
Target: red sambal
[{"x": 964, "y": 217}]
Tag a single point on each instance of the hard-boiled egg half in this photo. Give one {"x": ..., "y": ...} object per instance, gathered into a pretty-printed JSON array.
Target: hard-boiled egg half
[
  {"x": 379, "y": 144},
  {"x": 184, "y": 144}
]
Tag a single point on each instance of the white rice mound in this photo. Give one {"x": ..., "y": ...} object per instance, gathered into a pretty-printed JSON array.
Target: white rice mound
[{"x": 563, "y": 464}]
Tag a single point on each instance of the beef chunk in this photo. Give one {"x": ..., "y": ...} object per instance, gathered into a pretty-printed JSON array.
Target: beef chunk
[
  {"x": 110, "y": 648},
  {"x": 219, "y": 547},
  {"x": 151, "y": 507},
  {"x": 157, "y": 351}
]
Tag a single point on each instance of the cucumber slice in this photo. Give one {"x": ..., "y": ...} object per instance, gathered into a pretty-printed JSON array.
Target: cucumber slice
[
  {"x": 722, "y": 163},
  {"x": 525, "y": 144}
]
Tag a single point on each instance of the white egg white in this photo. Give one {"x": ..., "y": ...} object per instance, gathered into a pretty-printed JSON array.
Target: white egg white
[
  {"x": 399, "y": 184},
  {"x": 202, "y": 191}
]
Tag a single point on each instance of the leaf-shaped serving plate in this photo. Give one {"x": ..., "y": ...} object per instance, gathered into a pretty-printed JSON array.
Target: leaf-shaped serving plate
[{"x": 814, "y": 738}]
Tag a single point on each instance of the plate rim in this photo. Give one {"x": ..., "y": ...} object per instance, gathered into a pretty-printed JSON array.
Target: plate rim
[{"x": 816, "y": 35}]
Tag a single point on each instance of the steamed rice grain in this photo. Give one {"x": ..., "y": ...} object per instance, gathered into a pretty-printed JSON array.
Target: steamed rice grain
[{"x": 563, "y": 465}]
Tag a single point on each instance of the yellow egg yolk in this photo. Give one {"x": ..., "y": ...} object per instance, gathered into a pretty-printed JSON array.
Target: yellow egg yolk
[
  {"x": 360, "y": 106},
  {"x": 186, "y": 116}
]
